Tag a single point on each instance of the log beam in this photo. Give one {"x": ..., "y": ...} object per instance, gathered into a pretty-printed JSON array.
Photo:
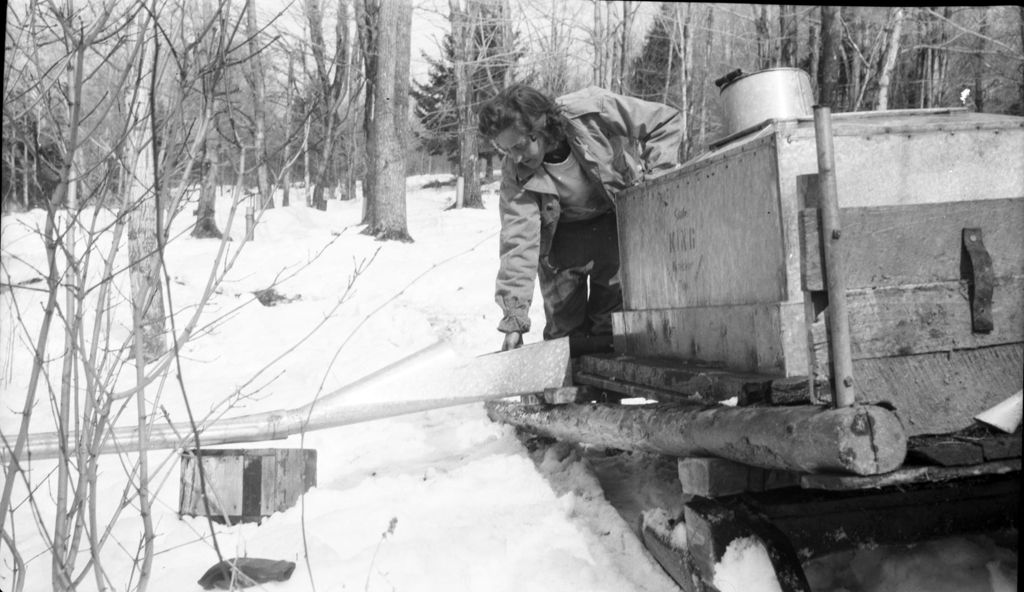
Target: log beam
[{"x": 862, "y": 440}]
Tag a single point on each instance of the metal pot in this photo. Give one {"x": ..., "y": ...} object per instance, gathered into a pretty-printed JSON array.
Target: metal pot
[{"x": 751, "y": 99}]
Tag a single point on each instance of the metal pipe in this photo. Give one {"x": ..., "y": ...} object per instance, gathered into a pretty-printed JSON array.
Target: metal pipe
[
  {"x": 843, "y": 388},
  {"x": 435, "y": 374}
]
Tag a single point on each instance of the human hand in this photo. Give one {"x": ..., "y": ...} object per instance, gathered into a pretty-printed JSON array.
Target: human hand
[{"x": 513, "y": 340}]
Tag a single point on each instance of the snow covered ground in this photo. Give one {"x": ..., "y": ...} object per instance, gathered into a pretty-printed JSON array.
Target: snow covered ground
[{"x": 438, "y": 500}]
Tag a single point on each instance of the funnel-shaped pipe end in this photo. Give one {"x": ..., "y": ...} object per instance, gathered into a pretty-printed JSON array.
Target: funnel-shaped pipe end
[{"x": 1006, "y": 415}]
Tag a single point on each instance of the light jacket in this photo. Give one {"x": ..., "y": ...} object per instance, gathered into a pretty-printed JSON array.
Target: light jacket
[{"x": 619, "y": 141}]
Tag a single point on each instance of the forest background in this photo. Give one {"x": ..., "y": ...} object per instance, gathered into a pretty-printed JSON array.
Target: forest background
[
  {"x": 293, "y": 86},
  {"x": 123, "y": 116}
]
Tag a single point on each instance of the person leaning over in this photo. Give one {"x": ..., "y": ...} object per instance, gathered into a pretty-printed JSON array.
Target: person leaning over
[{"x": 565, "y": 160}]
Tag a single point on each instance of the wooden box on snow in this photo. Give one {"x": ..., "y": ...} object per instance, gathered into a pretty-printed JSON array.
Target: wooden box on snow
[
  {"x": 245, "y": 485},
  {"x": 721, "y": 261}
]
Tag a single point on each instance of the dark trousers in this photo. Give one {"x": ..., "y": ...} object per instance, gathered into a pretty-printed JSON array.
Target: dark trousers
[{"x": 580, "y": 279}]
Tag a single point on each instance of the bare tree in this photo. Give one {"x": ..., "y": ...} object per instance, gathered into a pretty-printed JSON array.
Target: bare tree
[
  {"x": 979, "y": 61},
  {"x": 828, "y": 70},
  {"x": 788, "y": 39},
  {"x": 891, "y": 52},
  {"x": 258, "y": 84},
  {"x": 389, "y": 128},
  {"x": 461, "y": 15},
  {"x": 332, "y": 76}
]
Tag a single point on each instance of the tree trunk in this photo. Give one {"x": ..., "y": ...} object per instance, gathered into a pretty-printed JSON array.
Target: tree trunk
[
  {"x": 141, "y": 207},
  {"x": 390, "y": 120},
  {"x": 708, "y": 46},
  {"x": 787, "y": 36},
  {"x": 891, "y": 53},
  {"x": 979, "y": 63},
  {"x": 367, "y": 18},
  {"x": 597, "y": 41},
  {"x": 828, "y": 69},
  {"x": 622, "y": 80},
  {"x": 1020, "y": 105},
  {"x": 763, "y": 37},
  {"x": 258, "y": 85},
  {"x": 862, "y": 440},
  {"x": 814, "y": 51},
  {"x": 685, "y": 75},
  {"x": 206, "y": 209},
  {"x": 286, "y": 174},
  {"x": 330, "y": 91},
  {"x": 465, "y": 59}
]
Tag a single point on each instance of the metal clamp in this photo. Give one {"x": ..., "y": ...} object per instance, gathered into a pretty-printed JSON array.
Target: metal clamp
[{"x": 981, "y": 280}]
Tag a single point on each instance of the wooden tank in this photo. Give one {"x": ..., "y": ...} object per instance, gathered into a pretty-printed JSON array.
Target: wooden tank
[{"x": 721, "y": 259}]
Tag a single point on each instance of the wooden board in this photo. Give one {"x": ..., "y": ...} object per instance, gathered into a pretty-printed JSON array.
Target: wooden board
[
  {"x": 704, "y": 237},
  {"x": 762, "y": 338},
  {"x": 920, "y": 244},
  {"x": 245, "y": 485},
  {"x": 907, "y": 476},
  {"x": 672, "y": 380},
  {"x": 715, "y": 477},
  {"x": 941, "y": 392},
  {"x": 708, "y": 382},
  {"x": 883, "y": 163},
  {"x": 918, "y": 319}
]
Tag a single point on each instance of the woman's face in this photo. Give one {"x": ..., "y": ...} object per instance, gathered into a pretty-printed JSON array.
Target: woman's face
[{"x": 524, "y": 149}]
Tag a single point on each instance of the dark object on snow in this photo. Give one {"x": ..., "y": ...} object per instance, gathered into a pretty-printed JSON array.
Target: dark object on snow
[{"x": 250, "y": 571}]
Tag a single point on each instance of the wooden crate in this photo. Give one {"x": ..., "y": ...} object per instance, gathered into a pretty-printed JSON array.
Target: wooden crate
[
  {"x": 245, "y": 485},
  {"x": 721, "y": 260}
]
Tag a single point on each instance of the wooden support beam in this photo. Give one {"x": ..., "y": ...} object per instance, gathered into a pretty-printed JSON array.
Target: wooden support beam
[
  {"x": 671, "y": 380},
  {"x": 822, "y": 522},
  {"x": 843, "y": 386},
  {"x": 716, "y": 477},
  {"x": 861, "y": 440},
  {"x": 907, "y": 476}
]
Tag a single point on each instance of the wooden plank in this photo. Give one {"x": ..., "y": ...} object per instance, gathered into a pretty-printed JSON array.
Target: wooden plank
[
  {"x": 861, "y": 440},
  {"x": 630, "y": 389},
  {"x": 709, "y": 382},
  {"x": 879, "y": 163},
  {"x": 761, "y": 338},
  {"x": 945, "y": 453},
  {"x": 917, "y": 244},
  {"x": 907, "y": 476},
  {"x": 704, "y": 237},
  {"x": 252, "y": 487},
  {"x": 941, "y": 392},
  {"x": 716, "y": 477},
  {"x": 821, "y": 522},
  {"x": 245, "y": 485},
  {"x": 972, "y": 446},
  {"x": 922, "y": 319}
]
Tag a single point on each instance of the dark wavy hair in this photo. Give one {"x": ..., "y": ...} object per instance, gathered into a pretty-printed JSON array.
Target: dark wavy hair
[{"x": 520, "y": 105}]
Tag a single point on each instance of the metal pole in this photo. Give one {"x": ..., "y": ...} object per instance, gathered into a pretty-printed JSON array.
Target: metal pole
[
  {"x": 843, "y": 391},
  {"x": 436, "y": 377}
]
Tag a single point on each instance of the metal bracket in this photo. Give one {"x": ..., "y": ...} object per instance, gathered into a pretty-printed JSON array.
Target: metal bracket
[{"x": 981, "y": 280}]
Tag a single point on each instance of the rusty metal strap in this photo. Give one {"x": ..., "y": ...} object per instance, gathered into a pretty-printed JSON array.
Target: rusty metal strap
[{"x": 981, "y": 280}]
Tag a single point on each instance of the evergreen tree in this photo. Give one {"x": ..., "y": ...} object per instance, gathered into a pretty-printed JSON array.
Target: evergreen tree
[
  {"x": 435, "y": 100},
  {"x": 651, "y": 69}
]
